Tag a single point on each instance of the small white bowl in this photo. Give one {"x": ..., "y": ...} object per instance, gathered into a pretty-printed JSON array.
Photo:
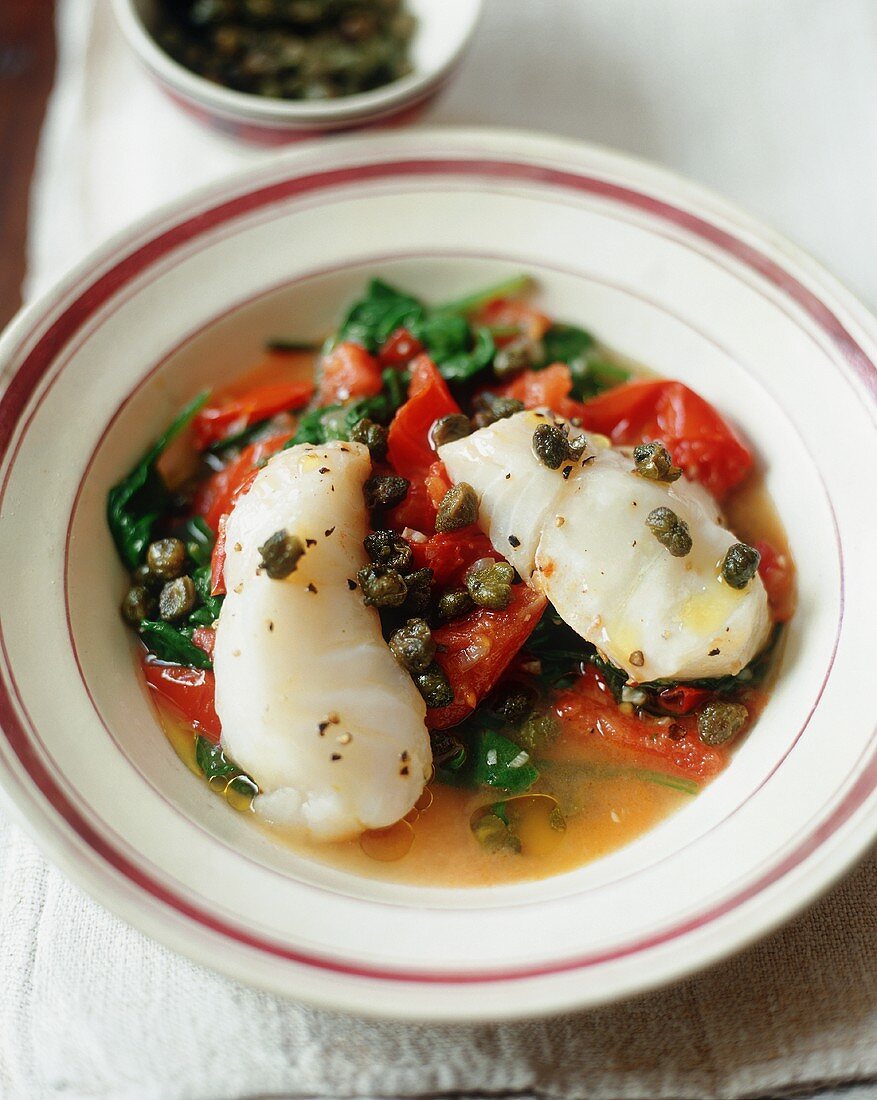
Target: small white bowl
[
  {"x": 444, "y": 29},
  {"x": 664, "y": 272}
]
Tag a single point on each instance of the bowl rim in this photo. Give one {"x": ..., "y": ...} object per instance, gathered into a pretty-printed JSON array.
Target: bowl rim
[
  {"x": 360, "y": 108},
  {"x": 121, "y": 896}
]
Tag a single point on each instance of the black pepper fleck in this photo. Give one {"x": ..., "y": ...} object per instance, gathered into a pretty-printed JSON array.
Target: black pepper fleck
[
  {"x": 351, "y": 584},
  {"x": 312, "y": 588},
  {"x": 714, "y": 652},
  {"x": 336, "y": 756},
  {"x": 328, "y": 531},
  {"x": 514, "y": 541},
  {"x": 310, "y": 542},
  {"x": 325, "y": 470},
  {"x": 566, "y": 471}
]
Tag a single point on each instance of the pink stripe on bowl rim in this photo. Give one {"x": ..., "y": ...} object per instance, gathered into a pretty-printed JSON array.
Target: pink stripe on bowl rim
[{"x": 42, "y": 356}]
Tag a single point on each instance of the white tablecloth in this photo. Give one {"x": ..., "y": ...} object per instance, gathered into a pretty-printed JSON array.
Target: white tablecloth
[{"x": 773, "y": 102}]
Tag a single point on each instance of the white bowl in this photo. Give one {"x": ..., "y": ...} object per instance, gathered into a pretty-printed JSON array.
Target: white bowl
[
  {"x": 444, "y": 30},
  {"x": 661, "y": 270}
]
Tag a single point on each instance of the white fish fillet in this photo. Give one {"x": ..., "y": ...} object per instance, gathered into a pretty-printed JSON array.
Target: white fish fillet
[
  {"x": 583, "y": 542},
  {"x": 312, "y": 703}
]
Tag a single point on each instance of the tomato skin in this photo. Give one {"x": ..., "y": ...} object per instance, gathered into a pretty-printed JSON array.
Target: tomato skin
[
  {"x": 545, "y": 388},
  {"x": 223, "y": 418},
  {"x": 188, "y": 691},
  {"x": 699, "y": 440},
  {"x": 399, "y": 349},
  {"x": 348, "y": 371},
  {"x": 204, "y": 637},
  {"x": 589, "y": 709},
  {"x": 778, "y": 577},
  {"x": 217, "y": 559},
  {"x": 409, "y": 450},
  {"x": 512, "y": 313},
  {"x": 499, "y": 634},
  {"x": 449, "y": 554},
  {"x": 682, "y": 699},
  {"x": 216, "y": 496}
]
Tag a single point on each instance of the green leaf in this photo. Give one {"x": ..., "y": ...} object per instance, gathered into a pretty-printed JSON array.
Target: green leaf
[
  {"x": 173, "y": 644},
  {"x": 564, "y": 343},
  {"x": 468, "y": 363},
  {"x": 592, "y": 372},
  {"x": 373, "y": 319},
  {"x": 280, "y": 344},
  {"x": 135, "y": 503},
  {"x": 517, "y": 284},
  {"x": 212, "y": 760},
  {"x": 499, "y": 762},
  {"x": 444, "y": 335},
  {"x": 240, "y": 439},
  {"x": 210, "y": 606},
  {"x": 199, "y": 540}
]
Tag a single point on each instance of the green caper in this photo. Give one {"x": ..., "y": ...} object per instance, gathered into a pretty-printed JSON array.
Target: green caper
[
  {"x": 551, "y": 446},
  {"x": 448, "y": 429},
  {"x": 536, "y": 732},
  {"x": 280, "y": 554},
  {"x": 719, "y": 722},
  {"x": 453, "y": 604},
  {"x": 413, "y": 646},
  {"x": 740, "y": 565},
  {"x": 166, "y": 558},
  {"x": 373, "y": 435},
  {"x": 653, "y": 461},
  {"x": 385, "y": 491},
  {"x": 670, "y": 531},
  {"x": 382, "y": 586},
  {"x": 458, "y": 508},
  {"x": 177, "y": 599},
  {"x": 494, "y": 834},
  {"x": 517, "y": 355},
  {"x": 138, "y": 604},
  {"x": 489, "y": 408},
  {"x": 388, "y": 548},
  {"x": 145, "y": 578},
  {"x": 434, "y": 686},
  {"x": 513, "y": 703},
  {"x": 491, "y": 585},
  {"x": 419, "y": 598}
]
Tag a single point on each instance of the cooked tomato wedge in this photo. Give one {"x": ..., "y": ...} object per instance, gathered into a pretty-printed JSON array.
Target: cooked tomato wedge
[
  {"x": 590, "y": 711},
  {"x": 187, "y": 691},
  {"x": 348, "y": 371},
  {"x": 547, "y": 388},
  {"x": 700, "y": 441},
  {"x": 400, "y": 349},
  {"x": 475, "y": 651},
  {"x": 409, "y": 449},
  {"x": 510, "y": 313},
  {"x": 682, "y": 699},
  {"x": 230, "y": 415},
  {"x": 449, "y": 554},
  {"x": 778, "y": 576},
  {"x": 216, "y": 496}
]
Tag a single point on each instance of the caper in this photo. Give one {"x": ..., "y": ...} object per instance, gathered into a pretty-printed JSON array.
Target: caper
[
  {"x": 670, "y": 531},
  {"x": 382, "y": 586},
  {"x": 166, "y": 558},
  {"x": 489, "y": 408},
  {"x": 458, "y": 508},
  {"x": 578, "y": 447},
  {"x": 719, "y": 722},
  {"x": 491, "y": 585},
  {"x": 448, "y": 429},
  {"x": 453, "y": 604},
  {"x": 551, "y": 446},
  {"x": 494, "y": 834},
  {"x": 419, "y": 598},
  {"x": 388, "y": 548},
  {"x": 740, "y": 565},
  {"x": 653, "y": 461},
  {"x": 385, "y": 491},
  {"x": 138, "y": 604},
  {"x": 516, "y": 356},
  {"x": 536, "y": 732},
  {"x": 413, "y": 646},
  {"x": 513, "y": 703},
  {"x": 434, "y": 686},
  {"x": 177, "y": 599},
  {"x": 280, "y": 554},
  {"x": 373, "y": 435},
  {"x": 144, "y": 577}
]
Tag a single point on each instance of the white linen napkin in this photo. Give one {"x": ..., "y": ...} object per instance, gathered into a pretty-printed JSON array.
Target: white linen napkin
[{"x": 776, "y": 105}]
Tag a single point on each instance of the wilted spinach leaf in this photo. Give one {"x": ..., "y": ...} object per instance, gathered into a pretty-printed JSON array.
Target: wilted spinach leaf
[{"x": 173, "y": 644}]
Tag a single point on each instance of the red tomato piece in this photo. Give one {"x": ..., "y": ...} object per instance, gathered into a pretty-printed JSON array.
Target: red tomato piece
[
  {"x": 399, "y": 349},
  {"x": 409, "y": 450},
  {"x": 216, "y": 496},
  {"x": 511, "y": 313},
  {"x": 778, "y": 576},
  {"x": 204, "y": 637},
  {"x": 700, "y": 441},
  {"x": 590, "y": 710},
  {"x": 187, "y": 691},
  {"x": 449, "y": 554},
  {"x": 547, "y": 388},
  {"x": 683, "y": 699},
  {"x": 217, "y": 559},
  {"x": 475, "y": 651},
  {"x": 348, "y": 371},
  {"x": 223, "y": 418}
]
